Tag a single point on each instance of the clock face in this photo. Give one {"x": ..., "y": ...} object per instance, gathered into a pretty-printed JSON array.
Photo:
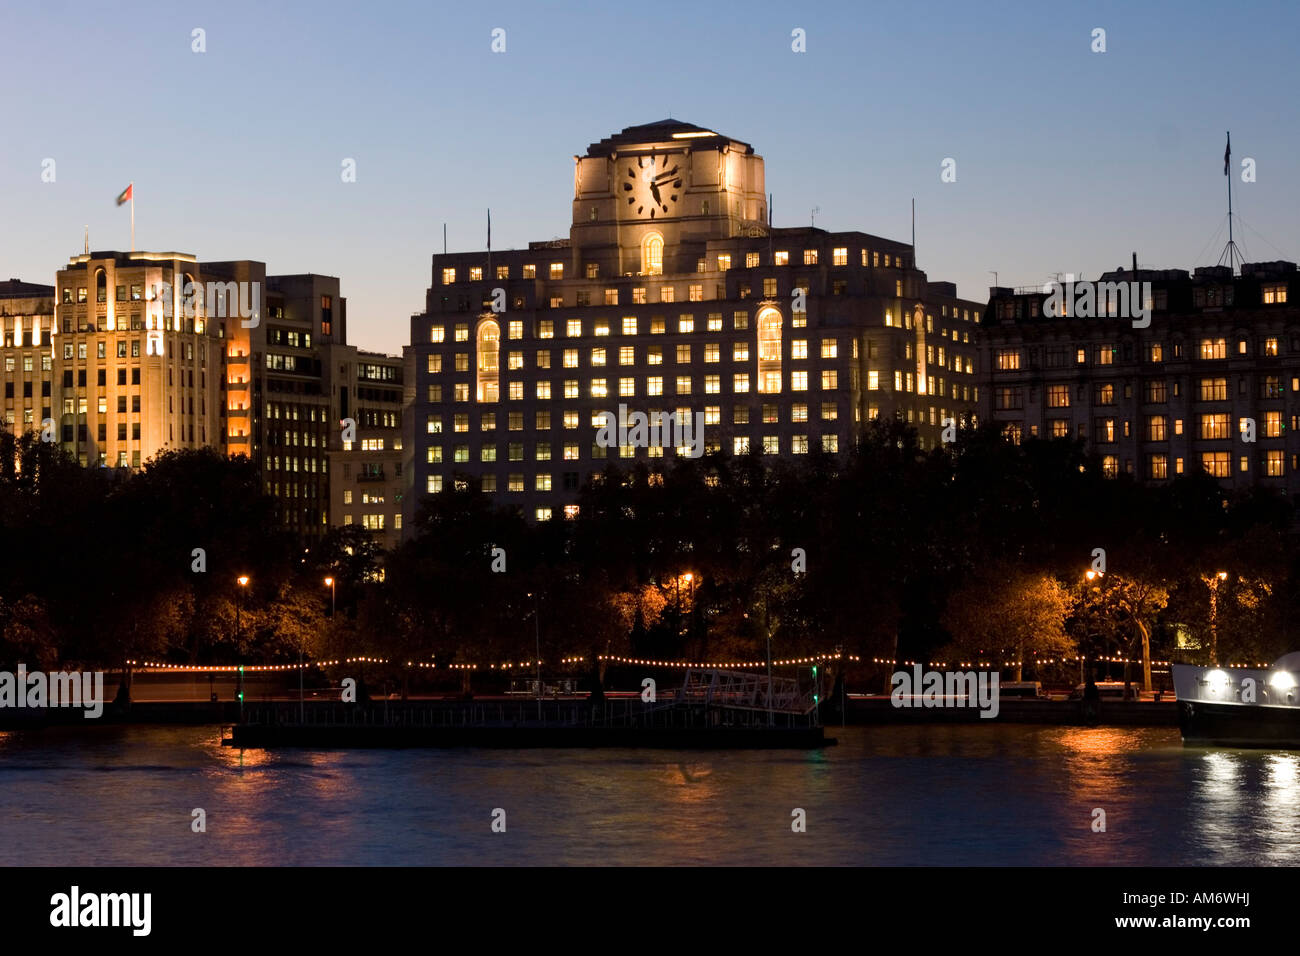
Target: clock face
[{"x": 651, "y": 185}]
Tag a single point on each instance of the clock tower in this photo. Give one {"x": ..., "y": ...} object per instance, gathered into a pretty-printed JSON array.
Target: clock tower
[{"x": 646, "y": 200}]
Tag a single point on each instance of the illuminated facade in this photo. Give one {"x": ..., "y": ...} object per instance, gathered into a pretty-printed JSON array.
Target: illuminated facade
[
  {"x": 1221, "y": 353},
  {"x": 670, "y": 295},
  {"x": 135, "y": 353}
]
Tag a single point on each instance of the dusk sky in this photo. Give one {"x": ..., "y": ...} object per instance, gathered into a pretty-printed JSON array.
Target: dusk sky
[{"x": 1066, "y": 160}]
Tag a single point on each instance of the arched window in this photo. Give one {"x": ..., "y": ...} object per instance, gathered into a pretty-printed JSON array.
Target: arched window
[
  {"x": 101, "y": 286},
  {"x": 769, "y": 350},
  {"x": 489, "y": 361},
  {"x": 652, "y": 254}
]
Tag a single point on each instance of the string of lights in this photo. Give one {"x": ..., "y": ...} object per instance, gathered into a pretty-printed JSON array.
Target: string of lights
[{"x": 145, "y": 666}]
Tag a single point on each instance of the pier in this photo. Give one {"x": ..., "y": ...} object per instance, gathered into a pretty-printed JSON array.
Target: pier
[{"x": 712, "y": 709}]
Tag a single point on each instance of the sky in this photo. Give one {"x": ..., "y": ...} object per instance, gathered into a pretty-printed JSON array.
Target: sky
[{"x": 1066, "y": 160}]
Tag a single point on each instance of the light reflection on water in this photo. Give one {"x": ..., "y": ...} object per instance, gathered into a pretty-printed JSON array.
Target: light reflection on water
[{"x": 904, "y": 795}]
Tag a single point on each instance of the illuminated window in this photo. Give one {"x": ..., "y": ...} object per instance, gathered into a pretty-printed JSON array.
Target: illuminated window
[
  {"x": 652, "y": 254},
  {"x": 798, "y": 381},
  {"x": 1217, "y": 463},
  {"x": 573, "y": 328},
  {"x": 629, "y": 325},
  {"x": 751, "y": 260},
  {"x": 840, "y": 256},
  {"x": 503, "y": 272},
  {"x": 657, "y": 326},
  {"x": 557, "y": 270},
  {"x": 1273, "y": 460},
  {"x": 769, "y": 350},
  {"x": 611, "y": 295},
  {"x": 1215, "y": 426},
  {"x": 448, "y": 276},
  {"x": 683, "y": 385},
  {"x": 437, "y": 333},
  {"x": 1058, "y": 396},
  {"x": 638, "y": 295},
  {"x": 1274, "y": 294},
  {"x": 626, "y": 387},
  {"x": 740, "y": 446},
  {"x": 544, "y": 390},
  {"x": 597, "y": 356},
  {"x": 740, "y": 382},
  {"x": 686, "y": 323},
  {"x": 873, "y": 381},
  {"x": 782, "y": 258},
  {"x": 1214, "y": 389},
  {"x": 626, "y": 355},
  {"x": 599, "y": 388},
  {"x": 724, "y": 262},
  {"x": 830, "y": 379},
  {"x": 1214, "y": 349},
  {"x": 831, "y": 443},
  {"x": 489, "y": 356},
  {"x": 476, "y": 273},
  {"x": 654, "y": 355},
  {"x": 462, "y": 333}
]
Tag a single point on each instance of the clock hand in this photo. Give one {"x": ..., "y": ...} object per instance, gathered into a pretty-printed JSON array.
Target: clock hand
[{"x": 654, "y": 191}]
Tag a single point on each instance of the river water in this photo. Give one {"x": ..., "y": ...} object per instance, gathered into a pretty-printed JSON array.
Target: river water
[{"x": 903, "y": 795}]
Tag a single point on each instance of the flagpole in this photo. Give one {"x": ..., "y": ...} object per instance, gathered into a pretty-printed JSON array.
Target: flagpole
[{"x": 133, "y": 217}]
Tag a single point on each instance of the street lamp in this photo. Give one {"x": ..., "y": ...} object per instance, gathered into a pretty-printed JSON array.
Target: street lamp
[
  {"x": 329, "y": 583},
  {"x": 242, "y": 580},
  {"x": 537, "y": 634}
]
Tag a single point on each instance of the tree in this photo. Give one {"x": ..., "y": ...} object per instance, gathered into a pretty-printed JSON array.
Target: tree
[{"x": 1009, "y": 610}]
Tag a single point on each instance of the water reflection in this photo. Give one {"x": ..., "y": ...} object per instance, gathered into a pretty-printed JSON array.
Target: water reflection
[{"x": 906, "y": 795}]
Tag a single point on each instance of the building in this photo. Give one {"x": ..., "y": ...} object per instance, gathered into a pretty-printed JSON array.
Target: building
[
  {"x": 138, "y": 365},
  {"x": 672, "y": 294},
  {"x": 27, "y": 326},
  {"x": 1213, "y": 382},
  {"x": 135, "y": 353},
  {"x": 367, "y": 487}
]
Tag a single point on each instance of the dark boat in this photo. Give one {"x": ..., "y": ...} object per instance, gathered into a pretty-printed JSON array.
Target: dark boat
[{"x": 1238, "y": 706}]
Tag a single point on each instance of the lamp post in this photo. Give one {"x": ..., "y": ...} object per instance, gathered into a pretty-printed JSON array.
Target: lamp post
[
  {"x": 242, "y": 580},
  {"x": 537, "y": 634},
  {"x": 329, "y": 583}
]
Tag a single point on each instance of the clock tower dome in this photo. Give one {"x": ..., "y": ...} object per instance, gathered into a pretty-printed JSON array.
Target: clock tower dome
[{"x": 646, "y": 200}]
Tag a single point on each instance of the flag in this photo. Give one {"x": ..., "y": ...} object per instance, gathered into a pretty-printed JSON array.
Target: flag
[
  {"x": 1227, "y": 154},
  {"x": 125, "y": 194}
]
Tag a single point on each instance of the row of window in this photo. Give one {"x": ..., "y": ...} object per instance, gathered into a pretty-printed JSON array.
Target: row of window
[
  {"x": 769, "y": 383},
  {"x": 1156, "y": 392},
  {"x": 780, "y": 257},
  {"x": 630, "y": 325},
  {"x": 571, "y": 418},
  {"x": 1210, "y": 349},
  {"x": 488, "y": 358}
]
